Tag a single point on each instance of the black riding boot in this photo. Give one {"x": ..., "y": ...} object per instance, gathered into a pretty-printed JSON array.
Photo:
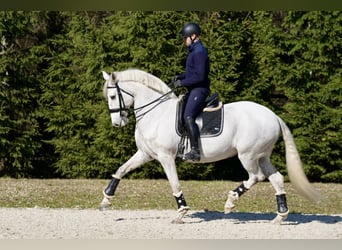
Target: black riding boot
[{"x": 193, "y": 131}]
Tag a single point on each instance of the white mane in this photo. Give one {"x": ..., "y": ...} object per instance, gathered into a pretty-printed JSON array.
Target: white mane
[{"x": 144, "y": 78}]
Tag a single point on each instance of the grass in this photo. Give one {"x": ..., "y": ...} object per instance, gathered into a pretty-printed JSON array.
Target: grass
[{"x": 157, "y": 194}]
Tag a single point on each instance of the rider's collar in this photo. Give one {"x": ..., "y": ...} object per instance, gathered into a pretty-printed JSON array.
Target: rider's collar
[{"x": 193, "y": 45}]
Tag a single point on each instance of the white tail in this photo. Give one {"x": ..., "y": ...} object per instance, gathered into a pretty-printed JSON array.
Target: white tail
[{"x": 294, "y": 167}]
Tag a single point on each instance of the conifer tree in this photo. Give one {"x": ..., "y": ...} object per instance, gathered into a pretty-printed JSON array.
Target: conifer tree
[
  {"x": 311, "y": 68},
  {"x": 22, "y": 56},
  {"x": 53, "y": 115},
  {"x": 72, "y": 95}
]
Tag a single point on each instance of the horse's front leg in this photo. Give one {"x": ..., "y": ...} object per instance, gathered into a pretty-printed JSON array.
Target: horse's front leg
[
  {"x": 182, "y": 208},
  {"x": 170, "y": 170},
  {"x": 138, "y": 159}
]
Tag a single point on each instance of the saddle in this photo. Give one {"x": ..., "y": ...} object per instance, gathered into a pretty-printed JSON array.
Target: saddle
[{"x": 209, "y": 122}]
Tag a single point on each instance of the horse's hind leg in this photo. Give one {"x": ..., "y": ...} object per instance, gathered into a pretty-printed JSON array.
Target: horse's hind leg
[
  {"x": 254, "y": 175},
  {"x": 277, "y": 181}
]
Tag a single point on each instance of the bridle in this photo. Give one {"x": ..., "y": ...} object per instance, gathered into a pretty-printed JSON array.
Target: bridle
[{"x": 123, "y": 107}]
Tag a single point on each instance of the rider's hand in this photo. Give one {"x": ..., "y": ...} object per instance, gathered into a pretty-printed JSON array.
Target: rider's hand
[
  {"x": 177, "y": 83},
  {"x": 175, "y": 78}
]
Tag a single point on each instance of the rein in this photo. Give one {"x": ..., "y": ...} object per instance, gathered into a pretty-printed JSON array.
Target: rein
[{"x": 136, "y": 110}]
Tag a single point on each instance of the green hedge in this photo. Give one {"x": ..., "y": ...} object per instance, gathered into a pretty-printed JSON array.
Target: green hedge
[{"x": 54, "y": 121}]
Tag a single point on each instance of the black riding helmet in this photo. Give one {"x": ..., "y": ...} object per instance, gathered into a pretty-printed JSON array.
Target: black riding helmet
[{"x": 190, "y": 29}]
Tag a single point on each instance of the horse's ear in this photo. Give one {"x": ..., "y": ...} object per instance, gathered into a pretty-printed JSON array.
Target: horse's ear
[
  {"x": 105, "y": 75},
  {"x": 113, "y": 76}
]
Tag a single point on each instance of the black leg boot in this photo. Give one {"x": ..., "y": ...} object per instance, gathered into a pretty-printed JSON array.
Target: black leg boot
[
  {"x": 110, "y": 189},
  {"x": 282, "y": 204},
  {"x": 193, "y": 131}
]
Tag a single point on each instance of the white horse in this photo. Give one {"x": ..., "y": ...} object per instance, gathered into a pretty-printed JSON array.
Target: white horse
[{"x": 249, "y": 131}]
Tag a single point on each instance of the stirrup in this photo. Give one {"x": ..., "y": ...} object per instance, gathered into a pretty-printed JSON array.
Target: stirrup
[{"x": 193, "y": 155}]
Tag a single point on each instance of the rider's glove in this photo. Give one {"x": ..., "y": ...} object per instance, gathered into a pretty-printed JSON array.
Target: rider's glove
[
  {"x": 177, "y": 83},
  {"x": 175, "y": 78}
]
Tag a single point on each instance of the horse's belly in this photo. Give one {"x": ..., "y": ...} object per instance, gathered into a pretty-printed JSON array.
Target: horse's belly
[{"x": 216, "y": 148}]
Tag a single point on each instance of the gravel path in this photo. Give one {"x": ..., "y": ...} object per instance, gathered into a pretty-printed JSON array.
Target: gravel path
[{"x": 46, "y": 223}]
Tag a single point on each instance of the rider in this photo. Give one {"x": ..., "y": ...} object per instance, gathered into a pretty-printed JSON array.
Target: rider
[{"x": 196, "y": 80}]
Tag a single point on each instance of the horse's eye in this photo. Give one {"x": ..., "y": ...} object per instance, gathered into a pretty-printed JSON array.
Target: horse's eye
[{"x": 112, "y": 97}]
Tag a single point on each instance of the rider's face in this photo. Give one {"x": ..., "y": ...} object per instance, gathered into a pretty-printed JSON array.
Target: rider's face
[{"x": 188, "y": 41}]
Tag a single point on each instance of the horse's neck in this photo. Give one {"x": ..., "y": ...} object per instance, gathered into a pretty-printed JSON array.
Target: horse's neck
[
  {"x": 142, "y": 94},
  {"x": 149, "y": 105}
]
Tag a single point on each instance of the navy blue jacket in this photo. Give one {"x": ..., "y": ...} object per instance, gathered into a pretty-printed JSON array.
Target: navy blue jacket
[{"x": 197, "y": 67}]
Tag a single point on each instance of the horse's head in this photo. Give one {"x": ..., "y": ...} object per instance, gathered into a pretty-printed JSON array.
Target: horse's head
[{"x": 118, "y": 100}]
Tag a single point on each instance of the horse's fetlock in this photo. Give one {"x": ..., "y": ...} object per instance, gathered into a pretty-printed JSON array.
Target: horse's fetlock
[
  {"x": 108, "y": 197},
  {"x": 229, "y": 206},
  {"x": 181, "y": 203},
  {"x": 233, "y": 196},
  {"x": 183, "y": 209}
]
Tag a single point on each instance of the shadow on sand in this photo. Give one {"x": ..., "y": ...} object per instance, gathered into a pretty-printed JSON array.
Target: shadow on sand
[{"x": 241, "y": 217}]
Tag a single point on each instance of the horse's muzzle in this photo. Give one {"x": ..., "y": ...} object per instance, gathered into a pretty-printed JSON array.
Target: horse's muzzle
[{"x": 120, "y": 123}]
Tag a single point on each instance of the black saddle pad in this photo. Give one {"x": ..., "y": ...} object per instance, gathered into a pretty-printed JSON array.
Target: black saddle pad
[{"x": 209, "y": 123}]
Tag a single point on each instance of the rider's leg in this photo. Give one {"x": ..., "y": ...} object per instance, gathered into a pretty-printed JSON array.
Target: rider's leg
[
  {"x": 193, "y": 107},
  {"x": 193, "y": 132}
]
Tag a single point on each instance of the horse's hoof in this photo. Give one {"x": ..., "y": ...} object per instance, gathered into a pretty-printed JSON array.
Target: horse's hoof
[
  {"x": 228, "y": 210},
  {"x": 177, "y": 221},
  {"x": 104, "y": 207},
  {"x": 279, "y": 219}
]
